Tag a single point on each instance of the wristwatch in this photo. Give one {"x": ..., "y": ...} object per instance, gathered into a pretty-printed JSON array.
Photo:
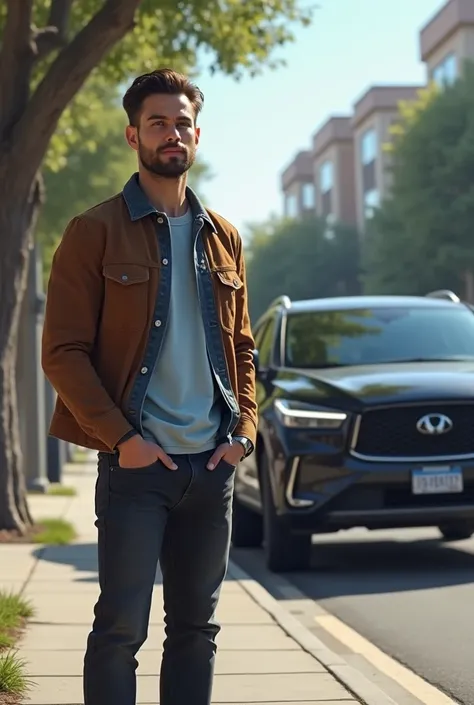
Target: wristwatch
[{"x": 245, "y": 443}]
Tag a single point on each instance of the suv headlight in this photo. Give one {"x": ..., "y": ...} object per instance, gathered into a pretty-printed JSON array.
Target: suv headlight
[{"x": 296, "y": 414}]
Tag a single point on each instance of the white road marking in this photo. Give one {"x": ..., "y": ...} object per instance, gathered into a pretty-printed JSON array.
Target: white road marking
[{"x": 421, "y": 689}]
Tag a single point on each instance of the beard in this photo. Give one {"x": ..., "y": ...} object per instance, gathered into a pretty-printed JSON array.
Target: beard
[{"x": 172, "y": 168}]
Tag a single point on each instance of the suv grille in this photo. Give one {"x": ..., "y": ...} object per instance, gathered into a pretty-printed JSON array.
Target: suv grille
[{"x": 392, "y": 432}]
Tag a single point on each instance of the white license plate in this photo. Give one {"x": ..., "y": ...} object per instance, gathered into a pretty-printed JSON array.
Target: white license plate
[{"x": 437, "y": 480}]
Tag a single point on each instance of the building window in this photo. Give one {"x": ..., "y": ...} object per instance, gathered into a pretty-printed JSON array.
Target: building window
[
  {"x": 371, "y": 202},
  {"x": 291, "y": 206},
  {"x": 368, "y": 147},
  {"x": 307, "y": 196},
  {"x": 326, "y": 177},
  {"x": 446, "y": 72}
]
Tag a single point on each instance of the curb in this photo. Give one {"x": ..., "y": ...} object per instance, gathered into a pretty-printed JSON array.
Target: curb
[{"x": 354, "y": 681}]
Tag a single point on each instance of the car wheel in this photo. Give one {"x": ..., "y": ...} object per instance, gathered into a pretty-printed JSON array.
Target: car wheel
[
  {"x": 457, "y": 531},
  {"x": 284, "y": 551},
  {"x": 247, "y": 526}
]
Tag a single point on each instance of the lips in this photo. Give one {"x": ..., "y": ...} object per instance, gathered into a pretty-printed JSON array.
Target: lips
[{"x": 173, "y": 151}]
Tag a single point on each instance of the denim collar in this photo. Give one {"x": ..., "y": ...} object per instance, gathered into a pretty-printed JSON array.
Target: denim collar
[{"x": 139, "y": 206}]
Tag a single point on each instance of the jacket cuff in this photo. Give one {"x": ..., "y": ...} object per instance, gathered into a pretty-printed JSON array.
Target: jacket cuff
[
  {"x": 246, "y": 427},
  {"x": 112, "y": 428},
  {"x": 128, "y": 435}
]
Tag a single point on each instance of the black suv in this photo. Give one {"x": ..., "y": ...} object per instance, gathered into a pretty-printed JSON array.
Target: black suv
[{"x": 366, "y": 419}]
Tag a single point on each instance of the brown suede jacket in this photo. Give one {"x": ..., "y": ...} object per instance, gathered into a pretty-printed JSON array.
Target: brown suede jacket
[{"x": 99, "y": 310}]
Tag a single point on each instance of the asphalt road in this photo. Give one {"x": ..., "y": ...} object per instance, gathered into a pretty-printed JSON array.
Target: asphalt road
[{"x": 405, "y": 591}]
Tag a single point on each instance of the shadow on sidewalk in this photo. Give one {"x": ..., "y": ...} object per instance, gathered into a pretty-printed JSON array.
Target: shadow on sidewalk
[{"x": 82, "y": 557}]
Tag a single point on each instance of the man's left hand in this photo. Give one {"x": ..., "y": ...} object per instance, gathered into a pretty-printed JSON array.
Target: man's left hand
[{"x": 232, "y": 453}]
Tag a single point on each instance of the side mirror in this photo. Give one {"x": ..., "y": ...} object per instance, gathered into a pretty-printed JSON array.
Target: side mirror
[{"x": 256, "y": 361}]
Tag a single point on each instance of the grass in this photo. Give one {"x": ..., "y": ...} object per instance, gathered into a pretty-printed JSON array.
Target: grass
[
  {"x": 58, "y": 490},
  {"x": 14, "y": 611},
  {"x": 80, "y": 455},
  {"x": 13, "y": 678},
  {"x": 58, "y": 532}
]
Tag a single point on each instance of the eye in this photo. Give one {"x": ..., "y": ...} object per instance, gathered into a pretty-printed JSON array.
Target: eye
[{"x": 158, "y": 123}]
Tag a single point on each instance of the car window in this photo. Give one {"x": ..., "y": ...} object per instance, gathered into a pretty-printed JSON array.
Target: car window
[
  {"x": 373, "y": 336},
  {"x": 265, "y": 349}
]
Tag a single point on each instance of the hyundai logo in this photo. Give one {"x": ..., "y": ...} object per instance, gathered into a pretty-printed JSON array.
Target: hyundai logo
[{"x": 434, "y": 424}]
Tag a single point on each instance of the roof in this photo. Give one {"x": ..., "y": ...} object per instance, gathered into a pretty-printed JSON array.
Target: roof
[{"x": 357, "y": 302}]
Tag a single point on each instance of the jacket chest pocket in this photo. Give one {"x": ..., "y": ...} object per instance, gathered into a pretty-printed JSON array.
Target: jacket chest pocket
[
  {"x": 126, "y": 295},
  {"x": 227, "y": 283}
]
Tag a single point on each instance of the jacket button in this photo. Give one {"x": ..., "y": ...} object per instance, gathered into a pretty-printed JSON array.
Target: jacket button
[
  {"x": 144, "y": 370},
  {"x": 236, "y": 282},
  {"x": 157, "y": 323},
  {"x": 160, "y": 220},
  {"x": 124, "y": 278},
  {"x": 164, "y": 261}
]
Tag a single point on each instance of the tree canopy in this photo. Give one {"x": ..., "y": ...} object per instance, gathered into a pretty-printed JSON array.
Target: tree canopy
[
  {"x": 300, "y": 259},
  {"x": 421, "y": 238}
]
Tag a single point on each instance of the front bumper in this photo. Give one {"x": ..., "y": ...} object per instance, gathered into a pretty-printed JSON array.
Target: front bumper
[{"x": 327, "y": 496}]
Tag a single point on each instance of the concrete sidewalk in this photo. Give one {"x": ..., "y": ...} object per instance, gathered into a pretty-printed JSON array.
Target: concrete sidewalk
[{"x": 262, "y": 657}]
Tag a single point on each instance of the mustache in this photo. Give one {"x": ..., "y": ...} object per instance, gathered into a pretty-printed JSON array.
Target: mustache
[{"x": 171, "y": 146}]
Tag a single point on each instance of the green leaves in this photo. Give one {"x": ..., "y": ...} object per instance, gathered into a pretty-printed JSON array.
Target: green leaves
[
  {"x": 226, "y": 35},
  {"x": 297, "y": 259},
  {"x": 422, "y": 237}
]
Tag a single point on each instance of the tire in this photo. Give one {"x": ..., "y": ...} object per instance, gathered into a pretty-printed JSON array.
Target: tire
[
  {"x": 247, "y": 526},
  {"x": 284, "y": 551},
  {"x": 457, "y": 531}
]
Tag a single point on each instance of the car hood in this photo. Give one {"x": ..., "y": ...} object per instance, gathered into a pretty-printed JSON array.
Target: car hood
[{"x": 360, "y": 386}]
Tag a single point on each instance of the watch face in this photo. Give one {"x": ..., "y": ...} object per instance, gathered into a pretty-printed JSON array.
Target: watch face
[{"x": 243, "y": 442}]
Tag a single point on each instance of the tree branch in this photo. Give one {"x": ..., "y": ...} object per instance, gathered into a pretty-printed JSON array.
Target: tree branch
[
  {"x": 54, "y": 35},
  {"x": 66, "y": 76},
  {"x": 16, "y": 54}
]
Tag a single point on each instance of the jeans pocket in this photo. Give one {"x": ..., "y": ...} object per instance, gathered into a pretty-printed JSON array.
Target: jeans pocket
[
  {"x": 142, "y": 469},
  {"x": 228, "y": 465}
]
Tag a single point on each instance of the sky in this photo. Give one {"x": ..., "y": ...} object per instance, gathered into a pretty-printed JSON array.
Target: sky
[{"x": 251, "y": 130}]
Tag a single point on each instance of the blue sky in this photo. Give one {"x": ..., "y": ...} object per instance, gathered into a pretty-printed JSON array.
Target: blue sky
[{"x": 252, "y": 129}]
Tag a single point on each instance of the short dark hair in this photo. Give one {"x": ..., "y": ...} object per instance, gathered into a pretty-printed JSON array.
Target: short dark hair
[{"x": 160, "y": 81}]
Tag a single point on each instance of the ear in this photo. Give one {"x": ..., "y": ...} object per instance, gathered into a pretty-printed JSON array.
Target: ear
[
  {"x": 197, "y": 135},
  {"x": 131, "y": 135}
]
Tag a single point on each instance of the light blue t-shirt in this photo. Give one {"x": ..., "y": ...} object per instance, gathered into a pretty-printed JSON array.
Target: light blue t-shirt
[{"x": 181, "y": 411}]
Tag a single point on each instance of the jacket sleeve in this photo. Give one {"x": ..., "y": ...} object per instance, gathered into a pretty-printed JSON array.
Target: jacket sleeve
[
  {"x": 73, "y": 306},
  {"x": 244, "y": 346}
]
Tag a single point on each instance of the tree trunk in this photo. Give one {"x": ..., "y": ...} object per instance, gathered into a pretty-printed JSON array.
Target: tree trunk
[
  {"x": 27, "y": 122},
  {"x": 18, "y": 213}
]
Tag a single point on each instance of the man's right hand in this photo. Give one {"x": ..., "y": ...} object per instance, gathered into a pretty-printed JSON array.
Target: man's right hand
[{"x": 138, "y": 453}]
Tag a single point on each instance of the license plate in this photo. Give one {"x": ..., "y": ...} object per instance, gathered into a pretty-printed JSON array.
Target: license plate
[{"x": 443, "y": 480}]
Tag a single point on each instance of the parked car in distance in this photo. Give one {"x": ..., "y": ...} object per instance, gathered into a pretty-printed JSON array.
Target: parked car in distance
[{"x": 366, "y": 409}]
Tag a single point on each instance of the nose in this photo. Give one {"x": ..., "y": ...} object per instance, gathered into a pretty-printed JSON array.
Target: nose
[{"x": 173, "y": 134}]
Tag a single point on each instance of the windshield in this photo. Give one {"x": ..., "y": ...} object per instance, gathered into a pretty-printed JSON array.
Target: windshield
[{"x": 373, "y": 336}]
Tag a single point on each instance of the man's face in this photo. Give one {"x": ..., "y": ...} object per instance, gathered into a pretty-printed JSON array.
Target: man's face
[{"x": 166, "y": 137}]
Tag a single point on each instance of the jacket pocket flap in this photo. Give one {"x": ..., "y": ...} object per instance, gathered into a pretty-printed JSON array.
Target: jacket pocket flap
[
  {"x": 230, "y": 278},
  {"x": 127, "y": 273}
]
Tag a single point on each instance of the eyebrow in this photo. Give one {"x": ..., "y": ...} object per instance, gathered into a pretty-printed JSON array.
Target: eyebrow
[{"x": 155, "y": 116}]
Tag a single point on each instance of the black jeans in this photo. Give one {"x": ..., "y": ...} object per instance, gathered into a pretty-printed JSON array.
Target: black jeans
[{"x": 182, "y": 519}]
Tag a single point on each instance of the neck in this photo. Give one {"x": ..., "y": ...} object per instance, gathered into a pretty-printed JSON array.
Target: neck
[{"x": 167, "y": 195}]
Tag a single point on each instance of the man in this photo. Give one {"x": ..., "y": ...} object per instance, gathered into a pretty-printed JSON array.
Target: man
[{"x": 147, "y": 341}]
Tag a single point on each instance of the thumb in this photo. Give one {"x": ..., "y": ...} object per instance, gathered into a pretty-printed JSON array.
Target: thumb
[{"x": 215, "y": 458}]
